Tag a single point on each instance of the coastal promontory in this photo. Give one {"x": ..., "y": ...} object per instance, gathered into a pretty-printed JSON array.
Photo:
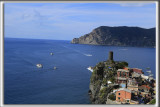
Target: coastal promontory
[
  {"x": 114, "y": 82},
  {"x": 118, "y": 36}
]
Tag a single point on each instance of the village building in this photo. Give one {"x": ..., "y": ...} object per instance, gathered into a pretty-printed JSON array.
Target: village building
[
  {"x": 123, "y": 85},
  {"x": 122, "y": 76},
  {"x": 132, "y": 84},
  {"x": 132, "y": 81},
  {"x": 144, "y": 77},
  {"x": 123, "y": 95},
  {"x": 144, "y": 88},
  {"x": 126, "y": 68},
  {"x": 137, "y": 70},
  {"x": 135, "y": 75},
  {"x": 154, "y": 89}
]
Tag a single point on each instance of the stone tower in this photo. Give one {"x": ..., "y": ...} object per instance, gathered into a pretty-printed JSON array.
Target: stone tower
[{"x": 110, "y": 57}]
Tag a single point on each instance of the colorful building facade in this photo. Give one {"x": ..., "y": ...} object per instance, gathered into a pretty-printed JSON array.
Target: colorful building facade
[
  {"x": 122, "y": 76},
  {"x": 123, "y": 95}
]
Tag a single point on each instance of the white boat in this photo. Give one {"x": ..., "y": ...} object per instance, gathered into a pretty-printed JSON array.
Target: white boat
[
  {"x": 149, "y": 71},
  {"x": 90, "y": 68},
  {"x": 87, "y": 54},
  {"x": 39, "y": 65},
  {"x": 55, "y": 68},
  {"x": 51, "y": 53},
  {"x": 151, "y": 75}
]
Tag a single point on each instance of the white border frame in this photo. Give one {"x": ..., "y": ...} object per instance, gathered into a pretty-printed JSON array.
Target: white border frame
[
  {"x": 1, "y": 53},
  {"x": 2, "y": 45},
  {"x": 157, "y": 55}
]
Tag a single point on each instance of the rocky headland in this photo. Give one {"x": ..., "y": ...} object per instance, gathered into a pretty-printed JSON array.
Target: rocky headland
[
  {"x": 102, "y": 73},
  {"x": 110, "y": 78},
  {"x": 118, "y": 36}
]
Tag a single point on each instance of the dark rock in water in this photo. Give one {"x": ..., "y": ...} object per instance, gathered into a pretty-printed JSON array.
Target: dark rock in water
[
  {"x": 119, "y": 36},
  {"x": 89, "y": 92}
]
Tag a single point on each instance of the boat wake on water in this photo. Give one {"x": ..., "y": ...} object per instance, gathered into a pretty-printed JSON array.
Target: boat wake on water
[
  {"x": 123, "y": 49},
  {"x": 87, "y": 54},
  {"x": 78, "y": 51}
]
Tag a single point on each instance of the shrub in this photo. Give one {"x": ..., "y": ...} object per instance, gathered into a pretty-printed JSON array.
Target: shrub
[
  {"x": 112, "y": 97},
  {"x": 112, "y": 79},
  {"x": 103, "y": 92},
  {"x": 100, "y": 64},
  {"x": 121, "y": 65},
  {"x": 153, "y": 101},
  {"x": 124, "y": 63},
  {"x": 104, "y": 81}
]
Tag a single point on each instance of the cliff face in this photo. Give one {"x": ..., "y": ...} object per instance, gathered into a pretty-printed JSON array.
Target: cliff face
[{"x": 119, "y": 36}]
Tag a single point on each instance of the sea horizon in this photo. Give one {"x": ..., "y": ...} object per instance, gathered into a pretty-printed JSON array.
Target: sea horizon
[{"x": 79, "y": 44}]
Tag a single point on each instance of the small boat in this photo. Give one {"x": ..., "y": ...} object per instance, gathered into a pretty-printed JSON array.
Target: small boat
[
  {"x": 55, "y": 68},
  {"x": 149, "y": 71},
  {"x": 87, "y": 54},
  {"x": 39, "y": 65},
  {"x": 90, "y": 68},
  {"x": 151, "y": 75},
  {"x": 148, "y": 68},
  {"x": 51, "y": 53}
]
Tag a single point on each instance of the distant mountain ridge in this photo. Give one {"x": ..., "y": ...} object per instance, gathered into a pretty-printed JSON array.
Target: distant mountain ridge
[{"x": 119, "y": 36}]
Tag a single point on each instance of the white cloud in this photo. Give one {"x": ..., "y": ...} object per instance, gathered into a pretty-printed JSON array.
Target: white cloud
[
  {"x": 70, "y": 21},
  {"x": 133, "y": 4}
]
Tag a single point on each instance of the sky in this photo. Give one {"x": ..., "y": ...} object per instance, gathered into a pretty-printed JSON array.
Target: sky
[{"x": 65, "y": 21}]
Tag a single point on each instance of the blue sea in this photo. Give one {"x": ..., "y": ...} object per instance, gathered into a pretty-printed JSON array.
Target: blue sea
[{"x": 24, "y": 83}]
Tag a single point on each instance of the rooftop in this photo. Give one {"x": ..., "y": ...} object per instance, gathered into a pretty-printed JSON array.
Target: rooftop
[
  {"x": 121, "y": 78},
  {"x": 126, "y": 68},
  {"x": 144, "y": 76},
  {"x": 137, "y": 70},
  {"x": 145, "y": 86},
  {"x": 134, "y": 74},
  {"x": 124, "y": 89},
  {"x": 122, "y": 70}
]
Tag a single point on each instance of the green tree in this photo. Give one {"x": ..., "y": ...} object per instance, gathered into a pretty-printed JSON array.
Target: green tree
[
  {"x": 112, "y": 79},
  {"x": 112, "y": 97},
  {"x": 121, "y": 65},
  {"x": 153, "y": 101}
]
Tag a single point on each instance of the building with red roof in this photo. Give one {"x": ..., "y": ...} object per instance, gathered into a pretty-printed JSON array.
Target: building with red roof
[
  {"x": 146, "y": 88},
  {"x": 137, "y": 70},
  {"x": 123, "y": 95},
  {"x": 122, "y": 76}
]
